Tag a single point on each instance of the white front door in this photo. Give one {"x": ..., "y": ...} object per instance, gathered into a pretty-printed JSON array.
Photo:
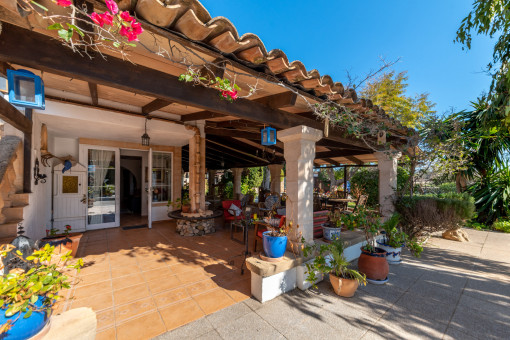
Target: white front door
[
  {"x": 69, "y": 198},
  {"x": 103, "y": 173}
]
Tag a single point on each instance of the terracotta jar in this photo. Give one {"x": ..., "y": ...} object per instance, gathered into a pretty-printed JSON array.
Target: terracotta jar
[
  {"x": 343, "y": 287},
  {"x": 374, "y": 265}
]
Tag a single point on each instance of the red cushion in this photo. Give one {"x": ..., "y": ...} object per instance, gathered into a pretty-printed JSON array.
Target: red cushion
[
  {"x": 260, "y": 231},
  {"x": 228, "y": 216}
]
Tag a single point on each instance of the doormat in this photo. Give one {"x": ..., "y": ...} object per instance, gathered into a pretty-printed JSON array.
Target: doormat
[{"x": 135, "y": 227}]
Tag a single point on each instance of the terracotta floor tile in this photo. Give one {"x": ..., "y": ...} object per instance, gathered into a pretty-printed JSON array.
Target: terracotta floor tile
[
  {"x": 127, "y": 281},
  {"x": 125, "y": 270},
  {"x": 123, "y": 262},
  {"x": 201, "y": 286},
  {"x": 92, "y": 268},
  {"x": 96, "y": 302},
  {"x": 129, "y": 294},
  {"x": 144, "y": 327},
  {"x": 151, "y": 265},
  {"x": 170, "y": 296},
  {"x": 105, "y": 319},
  {"x": 164, "y": 283},
  {"x": 93, "y": 289},
  {"x": 213, "y": 301},
  {"x": 192, "y": 276},
  {"x": 155, "y": 274},
  {"x": 107, "y": 334},
  {"x": 133, "y": 309},
  {"x": 84, "y": 280},
  {"x": 180, "y": 314},
  {"x": 239, "y": 291}
]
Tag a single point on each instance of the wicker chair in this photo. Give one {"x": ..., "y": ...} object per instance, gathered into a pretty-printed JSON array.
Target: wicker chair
[{"x": 270, "y": 204}]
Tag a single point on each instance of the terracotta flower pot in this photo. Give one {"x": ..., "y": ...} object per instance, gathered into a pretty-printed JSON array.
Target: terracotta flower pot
[
  {"x": 186, "y": 208},
  {"x": 374, "y": 265},
  {"x": 343, "y": 287},
  {"x": 63, "y": 248}
]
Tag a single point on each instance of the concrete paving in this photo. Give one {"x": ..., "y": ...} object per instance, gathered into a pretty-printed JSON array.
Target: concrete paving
[{"x": 454, "y": 291}]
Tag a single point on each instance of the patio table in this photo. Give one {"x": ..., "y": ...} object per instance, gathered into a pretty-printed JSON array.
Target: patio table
[{"x": 341, "y": 202}]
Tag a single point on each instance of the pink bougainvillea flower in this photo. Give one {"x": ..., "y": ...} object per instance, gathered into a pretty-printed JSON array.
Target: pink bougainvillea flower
[
  {"x": 97, "y": 18},
  {"x": 132, "y": 36},
  {"x": 124, "y": 31},
  {"x": 112, "y": 6},
  {"x": 224, "y": 94},
  {"x": 137, "y": 28},
  {"x": 233, "y": 94},
  {"x": 125, "y": 16},
  {"x": 64, "y": 3},
  {"x": 107, "y": 18}
]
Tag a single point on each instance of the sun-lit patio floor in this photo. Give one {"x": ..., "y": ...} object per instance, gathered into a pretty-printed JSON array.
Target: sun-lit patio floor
[
  {"x": 144, "y": 282},
  {"x": 454, "y": 291}
]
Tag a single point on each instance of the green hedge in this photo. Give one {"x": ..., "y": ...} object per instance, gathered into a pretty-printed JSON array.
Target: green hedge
[{"x": 367, "y": 179}]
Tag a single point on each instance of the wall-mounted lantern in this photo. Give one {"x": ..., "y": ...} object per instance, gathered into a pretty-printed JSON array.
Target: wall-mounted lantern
[
  {"x": 25, "y": 89},
  {"x": 268, "y": 136},
  {"x": 38, "y": 177}
]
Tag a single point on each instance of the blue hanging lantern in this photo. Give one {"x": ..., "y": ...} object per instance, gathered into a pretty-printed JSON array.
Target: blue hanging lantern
[
  {"x": 268, "y": 136},
  {"x": 25, "y": 89}
]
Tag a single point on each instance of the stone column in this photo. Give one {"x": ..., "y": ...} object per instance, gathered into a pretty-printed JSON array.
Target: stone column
[
  {"x": 197, "y": 168},
  {"x": 276, "y": 172},
  {"x": 237, "y": 172},
  {"x": 387, "y": 164},
  {"x": 299, "y": 153}
]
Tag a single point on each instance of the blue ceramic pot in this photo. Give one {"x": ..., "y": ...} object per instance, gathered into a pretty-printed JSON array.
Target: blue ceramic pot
[
  {"x": 274, "y": 247},
  {"x": 24, "y": 328},
  {"x": 331, "y": 234}
]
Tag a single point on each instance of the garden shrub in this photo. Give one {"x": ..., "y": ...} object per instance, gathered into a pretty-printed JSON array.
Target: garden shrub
[
  {"x": 367, "y": 180},
  {"x": 503, "y": 226},
  {"x": 425, "y": 214}
]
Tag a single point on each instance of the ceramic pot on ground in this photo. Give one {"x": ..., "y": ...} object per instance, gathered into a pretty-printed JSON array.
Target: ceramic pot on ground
[
  {"x": 274, "y": 246},
  {"x": 26, "y": 328},
  {"x": 374, "y": 265},
  {"x": 331, "y": 234},
  {"x": 343, "y": 287},
  {"x": 64, "y": 244},
  {"x": 392, "y": 254}
]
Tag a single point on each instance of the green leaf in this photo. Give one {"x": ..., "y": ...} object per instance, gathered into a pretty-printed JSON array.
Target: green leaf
[
  {"x": 130, "y": 44},
  {"x": 34, "y": 298},
  {"x": 55, "y": 26},
  {"x": 116, "y": 44},
  {"x": 73, "y": 27},
  {"x": 28, "y": 314},
  {"x": 64, "y": 34}
]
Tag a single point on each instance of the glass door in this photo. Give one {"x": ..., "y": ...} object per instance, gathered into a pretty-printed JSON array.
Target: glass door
[{"x": 102, "y": 190}]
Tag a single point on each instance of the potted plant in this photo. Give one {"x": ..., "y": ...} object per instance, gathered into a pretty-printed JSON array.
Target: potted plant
[
  {"x": 395, "y": 239},
  {"x": 372, "y": 261},
  {"x": 332, "y": 230},
  {"x": 274, "y": 241},
  {"x": 329, "y": 259},
  {"x": 181, "y": 203},
  {"x": 63, "y": 242},
  {"x": 27, "y": 297}
]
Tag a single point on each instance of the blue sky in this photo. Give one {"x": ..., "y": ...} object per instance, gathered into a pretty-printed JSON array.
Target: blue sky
[{"x": 336, "y": 36}]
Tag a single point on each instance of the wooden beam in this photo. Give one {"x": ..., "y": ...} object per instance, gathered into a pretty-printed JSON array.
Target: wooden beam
[
  {"x": 331, "y": 161},
  {"x": 93, "y": 94},
  {"x": 354, "y": 160},
  {"x": 231, "y": 133},
  {"x": 12, "y": 116},
  {"x": 38, "y": 51},
  {"x": 334, "y": 154},
  {"x": 200, "y": 115},
  {"x": 277, "y": 101},
  {"x": 155, "y": 105}
]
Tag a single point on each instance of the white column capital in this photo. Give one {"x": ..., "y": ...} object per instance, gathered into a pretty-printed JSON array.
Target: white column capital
[{"x": 300, "y": 132}]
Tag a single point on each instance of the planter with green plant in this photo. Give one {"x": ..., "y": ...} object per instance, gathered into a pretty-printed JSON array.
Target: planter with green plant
[
  {"x": 329, "y": 259},
  {"x": 63, "y": 242},
  {"x": 27, "y": 297},
  {"x": 395, "y": 239},
  {"x": 181, "y": 203},
  {"x": 372, "y": 261},
  {"x": 333, "y": 228}
]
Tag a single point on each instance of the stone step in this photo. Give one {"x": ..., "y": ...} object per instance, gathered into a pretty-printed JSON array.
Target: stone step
[
  {"x": 19, "y": 199},
  {"x": 13, "y": 213},
  {"x": 9, "y": 229}
]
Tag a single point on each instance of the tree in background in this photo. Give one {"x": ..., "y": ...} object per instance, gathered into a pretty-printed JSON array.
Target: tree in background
[
  {"x": 389, "y": 91},
  {"x": 251, "y": 180}
]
